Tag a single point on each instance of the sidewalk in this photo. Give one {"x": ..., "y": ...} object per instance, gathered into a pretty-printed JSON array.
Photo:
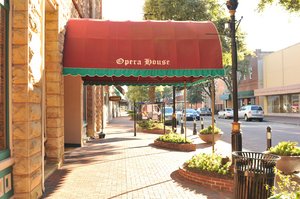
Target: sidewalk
[
  {"x": 124, "y": 166},
  {"x": 283, "y": 120}
]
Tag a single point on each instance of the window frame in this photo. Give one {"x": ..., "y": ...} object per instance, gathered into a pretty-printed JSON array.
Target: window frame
[{"x": 4, "y": 154}]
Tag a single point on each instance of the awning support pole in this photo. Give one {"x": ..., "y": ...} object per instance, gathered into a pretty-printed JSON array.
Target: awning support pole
[
  {"x": 174, "y": 122},
  {"x": 164, "y": 117},
  {"x": 134, "y": 118},
  {"x": 184, "y": 111},
  {"x": 213, "y": 113}
]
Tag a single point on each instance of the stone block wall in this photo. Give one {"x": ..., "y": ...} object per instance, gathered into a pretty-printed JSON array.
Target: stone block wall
[
  {"x": 54, "y": 145},
  {"x": 94, "y": 110},
  {"x": 2, "y": 84},
  {"x": 38, "y": 29},
  {"x": 27, "y": 88}
]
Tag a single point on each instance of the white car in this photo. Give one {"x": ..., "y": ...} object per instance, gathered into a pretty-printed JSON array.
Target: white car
[
  {"x": 226, "y": 113},
  {"x": 250, "y": 112}
]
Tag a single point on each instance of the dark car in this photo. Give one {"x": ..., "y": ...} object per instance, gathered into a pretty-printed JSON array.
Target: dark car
[
  {"x": 204, "y": 111},
  {"x": 191, "y": 114}
]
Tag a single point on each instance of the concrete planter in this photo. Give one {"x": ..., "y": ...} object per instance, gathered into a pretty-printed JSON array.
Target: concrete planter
[
  {"x": 288, "y": 164},
  {"x": 208, "y": 137}
]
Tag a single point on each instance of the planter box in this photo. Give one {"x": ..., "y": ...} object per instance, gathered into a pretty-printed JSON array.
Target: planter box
[
  {"x": 154, "y": 131},
  {"x": 222, "y": 184},
  {"x": 175, "y": 146},
  {"x": 208, "y": 137},
  {"x": 288, "y": 164}
]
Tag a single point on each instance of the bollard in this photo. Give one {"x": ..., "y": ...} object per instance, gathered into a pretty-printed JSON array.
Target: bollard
[
  {"x": 202, "y": 123},
  {"x": 269, "y": 137},
  {"x": 195, "y": 128},
  {"x": 181, "y": 123}
]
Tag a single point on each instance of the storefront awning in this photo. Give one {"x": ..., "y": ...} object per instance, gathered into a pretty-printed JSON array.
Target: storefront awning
[
  {"x": 142, "y": 52},
  {"x": 245, "y": 94},
  {"x": 118, "y": 93},
  {"x": 225, "y": 97}
]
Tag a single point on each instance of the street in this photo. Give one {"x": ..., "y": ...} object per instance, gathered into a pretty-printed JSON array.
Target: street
[{"x": 253, "y": 132}]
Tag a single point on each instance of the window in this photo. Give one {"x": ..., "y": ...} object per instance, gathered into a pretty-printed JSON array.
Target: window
[
  {"x": 4, "y": 128},
  {"x": 250, "y": 73}
]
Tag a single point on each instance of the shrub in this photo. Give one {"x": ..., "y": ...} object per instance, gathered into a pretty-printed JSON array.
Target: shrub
[
  {"x": 208, "y": 130},
  {"x": 130, "y": 113},
  {"x": 209, "y": 162},
  {"x": 286, "y": 189},
  {"x": 286, "y": 149},
  {"x": 174, "y": 138},
  {"x": 146, "y": 124},
  {"x": 151, "y": 124}
]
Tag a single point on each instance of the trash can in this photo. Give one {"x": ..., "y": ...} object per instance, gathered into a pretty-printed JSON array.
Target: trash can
[{"x": 252, "y": 172}]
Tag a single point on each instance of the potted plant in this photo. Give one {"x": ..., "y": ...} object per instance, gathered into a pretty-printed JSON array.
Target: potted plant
[
  {"x": 289, "y": 153},
  {"x": 207, "y": 136}
]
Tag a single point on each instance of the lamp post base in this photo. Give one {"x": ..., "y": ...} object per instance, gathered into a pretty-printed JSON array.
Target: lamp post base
[{"x": 236, "y": 137}]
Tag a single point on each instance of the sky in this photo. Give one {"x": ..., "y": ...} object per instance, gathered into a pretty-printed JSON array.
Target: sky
[{"x": 272, "y": 30}]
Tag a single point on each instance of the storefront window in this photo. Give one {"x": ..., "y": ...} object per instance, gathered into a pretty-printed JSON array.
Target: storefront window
[
  {"x": 3, "y": 82},
  {"x": 273, "y": 104},
  {"x": 283, "y": 103},
  {"x": 286, "y": 104},
  {"x": 295, "y": 103}
]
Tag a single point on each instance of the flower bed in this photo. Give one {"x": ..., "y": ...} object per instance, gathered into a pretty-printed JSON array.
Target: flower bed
[
  {"x": 207, "y": 179},
  {"x": 175, "y": 146},
  {"x": 150, "y": 126}
]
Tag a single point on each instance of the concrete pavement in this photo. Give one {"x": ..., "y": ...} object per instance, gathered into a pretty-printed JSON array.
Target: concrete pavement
[
  {"x": 124, "y": 166},
  {"x": 283, "y": 120}
]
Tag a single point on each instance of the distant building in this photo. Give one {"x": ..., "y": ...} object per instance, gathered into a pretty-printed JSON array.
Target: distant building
[
  {"x": 252, "y": 80},
  {"x": 247, "y": 83},
  {"x": 281, "y": 82}
]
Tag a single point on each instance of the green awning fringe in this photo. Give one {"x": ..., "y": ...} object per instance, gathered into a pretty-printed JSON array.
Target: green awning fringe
[{"x": 109, "y": 72}]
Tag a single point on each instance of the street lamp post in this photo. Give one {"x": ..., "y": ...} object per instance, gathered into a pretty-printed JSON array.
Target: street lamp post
[{"x": 236, "y": 136}]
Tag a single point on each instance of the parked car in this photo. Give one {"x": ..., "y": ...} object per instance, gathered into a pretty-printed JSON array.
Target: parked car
[
  {"x": 204, "y": 111},
  {"x": 168, "y": 115},
  {"x": 250, "y": 112},
  {"x": 226, "y": 113},
  {"x": 191, "y": 114}
]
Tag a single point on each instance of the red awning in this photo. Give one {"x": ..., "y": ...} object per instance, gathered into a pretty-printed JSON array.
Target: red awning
[{"x": 143, "y": 52}]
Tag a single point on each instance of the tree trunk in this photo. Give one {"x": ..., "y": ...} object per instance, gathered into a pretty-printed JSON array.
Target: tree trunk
[{"x": 151, "y": 94}]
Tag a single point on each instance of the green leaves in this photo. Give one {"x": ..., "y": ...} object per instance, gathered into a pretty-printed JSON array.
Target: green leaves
[
  {"x": 286, "y": 187},
  {"x": 174, "y": 138},
  {"x": 286, "y": 149},
  {"x": 289, "y": 5},
  {"x": 208, "y": 130},
  {"x": 152, "y": 124},
  {"x": 209, "y": 162}
]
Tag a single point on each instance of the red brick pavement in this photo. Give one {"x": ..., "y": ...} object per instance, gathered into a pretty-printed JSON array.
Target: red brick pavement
[{"x": 124, "y": 166}]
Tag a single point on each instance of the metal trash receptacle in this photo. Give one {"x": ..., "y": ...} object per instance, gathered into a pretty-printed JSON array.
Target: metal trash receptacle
[{"x": 252, "y": 172}]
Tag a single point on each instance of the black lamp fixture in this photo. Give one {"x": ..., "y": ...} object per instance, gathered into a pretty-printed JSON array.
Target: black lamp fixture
[{"x": 236, "y": 136}]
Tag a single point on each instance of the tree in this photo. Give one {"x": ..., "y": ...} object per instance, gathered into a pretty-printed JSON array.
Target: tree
[
  {"x": 142, "y": 93},
  {"x": 194, "y": 94},
  {"x": 289, "y": 5},
  {"x": 163, "y": 93},
  {"x": 137, "y": 93}
]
